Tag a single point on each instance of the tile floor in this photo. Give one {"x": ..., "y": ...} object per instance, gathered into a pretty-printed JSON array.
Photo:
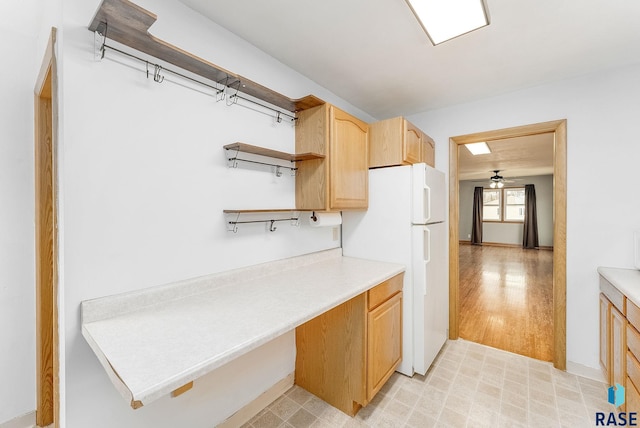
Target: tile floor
[{"x": 469, "y": 385}]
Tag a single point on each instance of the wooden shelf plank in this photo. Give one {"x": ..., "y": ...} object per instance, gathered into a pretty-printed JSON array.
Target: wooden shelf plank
[
  {"x": 293, "y": 157},
  {"x": 129, "y": 24},
  {"x": 277, "y": 210}
]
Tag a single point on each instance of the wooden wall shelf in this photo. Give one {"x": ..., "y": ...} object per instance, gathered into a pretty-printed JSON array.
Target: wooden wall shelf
[
  {"x": 128, "y": 24},
  {"x": 293, "y": 157}
]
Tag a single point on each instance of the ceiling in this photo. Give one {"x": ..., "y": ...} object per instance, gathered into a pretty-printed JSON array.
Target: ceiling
[
  {"x": 514, "y": 157},
  {"x": 375, "y": 55}
]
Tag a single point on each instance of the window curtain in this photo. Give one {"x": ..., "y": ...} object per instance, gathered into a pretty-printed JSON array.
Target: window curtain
[
  {"x": 476, "y": 227},
  {"x": 530, "y": 235}
]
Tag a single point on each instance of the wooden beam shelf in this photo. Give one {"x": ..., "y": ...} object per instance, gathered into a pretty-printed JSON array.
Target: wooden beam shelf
[
  {"x": 255, "y": 150},
  {"x": 234, "y": 149},
  {"x": 128, "y": 24}
]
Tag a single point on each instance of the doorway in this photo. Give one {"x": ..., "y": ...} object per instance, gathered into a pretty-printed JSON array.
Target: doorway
[
  {"x": 558, "y": 128},
  {"x": 46, "y": 245}
]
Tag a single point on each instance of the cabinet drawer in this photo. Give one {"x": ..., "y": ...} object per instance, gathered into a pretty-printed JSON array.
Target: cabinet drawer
[
  {"x": 633, "y": 369},
  {"x": 380, "y": 293},
  {"x": 633, "y": 314},
  {"x": 632, "y": 396},
  {"x": 633, "y": 341},
  {"x": 613, "y": 294}
]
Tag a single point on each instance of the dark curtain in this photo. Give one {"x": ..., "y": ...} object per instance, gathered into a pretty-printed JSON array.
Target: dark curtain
[
  {"x": 476, "y": 227},
  {"x": 530, "y": 235}
]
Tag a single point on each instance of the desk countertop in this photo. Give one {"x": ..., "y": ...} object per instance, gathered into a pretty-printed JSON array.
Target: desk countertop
[{"x": 153, "y": 341}]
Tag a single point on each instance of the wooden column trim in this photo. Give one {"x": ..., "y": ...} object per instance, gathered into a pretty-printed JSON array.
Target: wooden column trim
[
  {"x": 560, "y": 246},
  {"x": 454, "y": 238},
  {"x": 46, "y": 206}
]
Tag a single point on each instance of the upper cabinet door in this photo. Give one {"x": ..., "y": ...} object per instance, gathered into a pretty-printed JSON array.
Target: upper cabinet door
[
  {"x": 397, "y": 141},
  {"x": 428, "y": 151},
  {"x": 349, "y": 165},
  {"x": 339, "y": 181},
  {"x": 412, "y": 150}
]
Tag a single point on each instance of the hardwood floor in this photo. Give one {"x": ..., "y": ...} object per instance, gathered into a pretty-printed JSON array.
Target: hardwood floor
[{"x": 506, "y": 299}]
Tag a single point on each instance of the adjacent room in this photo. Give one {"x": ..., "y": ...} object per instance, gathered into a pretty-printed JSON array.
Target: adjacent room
[{"x": 506, "y": 280}]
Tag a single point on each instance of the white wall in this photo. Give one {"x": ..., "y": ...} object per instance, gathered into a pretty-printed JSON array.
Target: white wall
[
  {"x": 601, "y": 111},
  {"x": 510, "y": 233},
  {"x": 145, "y": 180},
  {"x": 24, "y": 31},
  {"x": 17, "y": 277}
]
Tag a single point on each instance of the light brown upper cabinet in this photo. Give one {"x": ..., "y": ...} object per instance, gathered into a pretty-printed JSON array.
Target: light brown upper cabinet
[
  {"x": 428, "y": 150},
  {"x": 397, "y": 141},
  {"x": 339, "y": 181}
]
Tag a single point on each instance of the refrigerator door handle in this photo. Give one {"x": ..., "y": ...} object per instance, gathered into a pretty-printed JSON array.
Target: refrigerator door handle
[
  {"x": 427, "y": 203},
  {"x": 427, "y": 256}
]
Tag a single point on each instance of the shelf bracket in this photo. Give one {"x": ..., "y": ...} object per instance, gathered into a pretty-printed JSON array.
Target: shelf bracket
[
  {"x": 232, "y": 224},
  {"x": 233, "y": 159},
  {"x": 99, "y": 41}
]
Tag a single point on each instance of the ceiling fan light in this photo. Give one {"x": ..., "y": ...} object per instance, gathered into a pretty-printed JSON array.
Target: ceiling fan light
[
  {"x": 492, "y": 185},
  {"x": 500, "y": 185}
]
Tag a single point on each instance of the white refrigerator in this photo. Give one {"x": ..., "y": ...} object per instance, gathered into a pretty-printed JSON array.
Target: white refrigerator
[{"x": 405, "y": 224}]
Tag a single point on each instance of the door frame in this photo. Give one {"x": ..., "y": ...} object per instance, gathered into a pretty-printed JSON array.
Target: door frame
[
  {"x": 46, "y": 238},
  {"x": 559, "y": 128}
]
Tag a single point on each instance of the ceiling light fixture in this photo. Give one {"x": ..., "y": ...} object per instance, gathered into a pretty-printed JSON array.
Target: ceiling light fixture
[
  {"x": 496, "y": 180},
  {"x": 478, "y": 148},
  {"x": 443, "y": 20}
]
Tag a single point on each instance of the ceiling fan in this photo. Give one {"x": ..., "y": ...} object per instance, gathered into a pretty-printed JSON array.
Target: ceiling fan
[{"x": 498, "y": 180}]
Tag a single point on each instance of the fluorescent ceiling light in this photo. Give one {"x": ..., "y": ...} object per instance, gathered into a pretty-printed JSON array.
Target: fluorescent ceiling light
[
  {"x": 478, "y": 148},
  {"x": 443, "y": 20}
]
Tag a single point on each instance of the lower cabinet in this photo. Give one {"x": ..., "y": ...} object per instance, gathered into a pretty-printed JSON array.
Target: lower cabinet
[
  {"x": 613, "y": 342},
  {"x": 345, "y": 355},
  {"x": 620, "y": 334}
]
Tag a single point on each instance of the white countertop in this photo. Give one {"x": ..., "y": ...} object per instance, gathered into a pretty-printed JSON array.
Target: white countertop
[
  {"x": 153, "y": 341},
  {"x": 627, "y": 281}
]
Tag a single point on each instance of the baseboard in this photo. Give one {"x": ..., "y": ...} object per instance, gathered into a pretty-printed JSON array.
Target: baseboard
[
  {"x": 245, "y": 414},
  {"x": 585, "y": 371},
  {"x": 500, "y": 244},
  {"x": 25, "y": 421}
]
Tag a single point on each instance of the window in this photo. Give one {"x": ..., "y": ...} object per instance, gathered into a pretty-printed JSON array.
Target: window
[
  {"x": 513, "y": 204},
  {"x": 491, "y": 205},
  {"x": 504, "y": 205}
]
